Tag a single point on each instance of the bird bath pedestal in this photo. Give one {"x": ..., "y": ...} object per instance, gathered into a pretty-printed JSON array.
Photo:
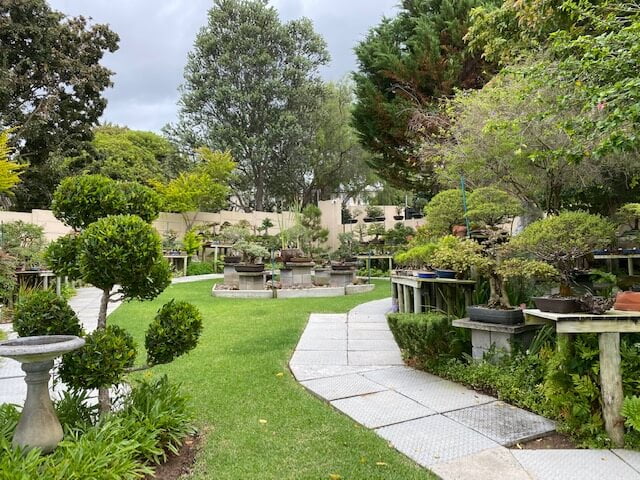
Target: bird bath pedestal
[{"x": 39, "y": 426}]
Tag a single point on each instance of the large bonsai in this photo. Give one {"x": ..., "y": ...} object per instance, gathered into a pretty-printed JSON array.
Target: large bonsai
[
  {"x": 563, "y": 241},
  {"x": 119, "y": 252}
]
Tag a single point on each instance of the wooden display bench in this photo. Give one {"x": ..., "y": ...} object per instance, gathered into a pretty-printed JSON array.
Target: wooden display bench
[
  {"x": 608, "y": 326},
  {"x": 609, "y": 258},
  {"x": 417, "y": 295}
]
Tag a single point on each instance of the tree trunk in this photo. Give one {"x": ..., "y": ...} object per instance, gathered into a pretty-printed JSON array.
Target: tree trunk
[
  {"x": 565, "y": 290},
  {"x": 104, "y": 403},
  {"x": 498, "y": 297}
]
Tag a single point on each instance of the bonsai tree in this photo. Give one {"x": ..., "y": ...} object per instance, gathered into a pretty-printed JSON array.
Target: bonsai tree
[
  {"x": 491, "y": 207},
  {"x": 563, "y": 240},
  {"x": 170, "y": 240},
  {"x": 121, "y": 254},
  {"x": 444, "y": 211},
  {"x": 23, "y": 241},
  {"x": 399, "y": 235},
  {"x": 629, "y": 214},
  {"x": 265, "y": 226},
  {"x": 459, "y": 255},
  {"x": 348, "y": 244},
  {"x": 191, "y": 242},
  {"x": 252, "y": 253},
  {"x": 418, "y": 257},
  {"x": 42, "y": 312},
  {"x": 377, "y": 230},
  {"x": 316, "y": 235},
  {"x": 374, "y": 211}
]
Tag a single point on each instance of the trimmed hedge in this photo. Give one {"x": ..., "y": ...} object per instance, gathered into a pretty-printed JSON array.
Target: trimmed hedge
[{"x": 428, "y": 336}]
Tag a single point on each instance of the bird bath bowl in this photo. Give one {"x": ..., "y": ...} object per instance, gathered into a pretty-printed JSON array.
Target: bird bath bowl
[{"x": 39, "y": 426}]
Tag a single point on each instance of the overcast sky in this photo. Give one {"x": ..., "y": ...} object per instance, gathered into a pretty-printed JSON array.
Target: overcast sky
[{"x": 155, "y": 36}]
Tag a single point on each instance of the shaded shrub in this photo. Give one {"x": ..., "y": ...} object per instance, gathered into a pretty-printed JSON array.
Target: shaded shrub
[
  {"x": 428, "y": 336},
  {"x": 199, "y": 268},
  {"x": 174, "y": 331},
  {"x": 42, "y": 312}
]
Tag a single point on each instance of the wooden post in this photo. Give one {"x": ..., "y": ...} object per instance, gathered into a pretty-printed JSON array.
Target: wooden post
[
  {"x": 630, "y": 266},
  {"x": 400, "y": 298},
  {"x": 184, "y": 265},
  {"x": 611, "y": 385},
  {"x": 215, "y": 257},
  {"x": 58, "y": 286},
  {"x": 417, "y": 300},
  {"x": 407, "y": 299}
]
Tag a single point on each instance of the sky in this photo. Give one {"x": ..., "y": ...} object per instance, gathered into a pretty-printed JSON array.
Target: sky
[{"x": 156, "y": 35}]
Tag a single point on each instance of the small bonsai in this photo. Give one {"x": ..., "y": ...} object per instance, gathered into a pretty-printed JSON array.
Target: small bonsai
[
  {"x": 459, "y": 255},
  {"x": 266, "y": 224},
  {"x": 376, "y": 231},
  {"x": 169, "y": 240},
  {"x": 444, "y": 211},
  {"x": 348, "y": 244},
  {"x": 191, "y": 242},
  {"x": 374, "y": 212},
  {"x": 252, "y": 253},
  {"x": 563, "y": 240},
  {"x": 418, "y": 257},
  {"x": 23, "y": 241}
]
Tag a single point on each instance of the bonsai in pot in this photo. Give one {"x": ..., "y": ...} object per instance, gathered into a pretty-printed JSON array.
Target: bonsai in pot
[
  {"x": 418, "y": 258},
  {"x": 252, "y": 255},
  {"x": 374, "y": 214},
  {"x": 563, "y": 241},
  {"x": 454, "y": 257},
  {"x": 399, "y": 214}
]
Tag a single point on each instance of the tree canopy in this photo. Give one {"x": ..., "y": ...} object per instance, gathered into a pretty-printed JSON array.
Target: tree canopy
[
  {"x": 406, "y": 66},
  {"x": 251, "y": 86},
  {"x": 51, "y": 87}
]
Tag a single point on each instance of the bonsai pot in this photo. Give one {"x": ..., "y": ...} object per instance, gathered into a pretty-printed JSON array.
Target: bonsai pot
[
  {"x": 631, "y": 251},
  {"x": 380, "y": 219},
  {"x": 232, "y": 259},
  {"x": 628, "y": 301},
  {"x": 601, "y": 252},
  {"x": 369, "y": 219},
  {"x": 484, "y": 314},
  {"x": 344, "y": 266},
  {"x": 418, "y": 215},
  {"x": 353, "y": 220},
  {"x": 557, "y": 304},
  {"x": 426, "y": 274},
  {"x": 444, "y": 273},
  {"x": 249, "y": 267},
  {"x": 398, "y": 217},
  {"x": 300, "y": 260}
]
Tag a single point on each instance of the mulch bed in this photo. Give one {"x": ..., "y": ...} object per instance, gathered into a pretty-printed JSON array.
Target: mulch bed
[{"x": 180, "y": 464}]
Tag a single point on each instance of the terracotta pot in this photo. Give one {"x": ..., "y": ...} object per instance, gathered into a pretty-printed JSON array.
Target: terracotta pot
[
  {"x": 628, "y": 301},
  {"x": 459, "y": 231}
]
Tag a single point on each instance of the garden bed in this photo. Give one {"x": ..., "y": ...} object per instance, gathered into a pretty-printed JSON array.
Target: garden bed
[{"x": 283, "y": 293}]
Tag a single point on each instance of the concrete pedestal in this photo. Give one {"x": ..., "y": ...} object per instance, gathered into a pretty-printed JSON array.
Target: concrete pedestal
[
  {"x": 322, "y": 277},
  {"x": 485, "y": 336},
  {"x": 251, "y": 280},
  {"x": 286, "y": 277},
  {"x": 39, "y": 426},
  {"x": 231, "y": 278},
  {"x": 342, "y": 278},
  {"x": 301, "y": 274}
]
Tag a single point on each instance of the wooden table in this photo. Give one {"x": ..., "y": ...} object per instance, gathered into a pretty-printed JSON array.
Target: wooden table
[
  {"x": 610, "y": 257},
  {"x": 217, "y": 249},
  {"x": 45, "y": 275},
  {"x": 368, "y": 258},
  {"x": 415, "y": 295},
  {"x": 608, "y": 327},
  {"x": 172, "y": 260}
]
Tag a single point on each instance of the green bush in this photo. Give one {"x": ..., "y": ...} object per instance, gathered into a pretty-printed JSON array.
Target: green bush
[
  {"x": 199, "y": 268},
  {"x": 427, "y": 336},
  {"x": 76, "y": 411},
  {"x": 174, "y": 331},
  {"x": 102, "y": 361},
  {"x": 42, "y": 312},
  {"x": 62, "y": 256},
  {"x": 155, "y": 419}
]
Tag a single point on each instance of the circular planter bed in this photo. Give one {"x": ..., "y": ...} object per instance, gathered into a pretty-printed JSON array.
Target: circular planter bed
[
  {"x": 250, "y": 268},
  {"x": 481, "y": 313}
]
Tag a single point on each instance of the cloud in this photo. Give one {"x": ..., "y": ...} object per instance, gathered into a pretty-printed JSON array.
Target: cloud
[{"x": 156, "y": 36}]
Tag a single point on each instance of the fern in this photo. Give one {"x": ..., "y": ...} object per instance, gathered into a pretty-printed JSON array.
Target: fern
[{"x": 631, "y": 412}]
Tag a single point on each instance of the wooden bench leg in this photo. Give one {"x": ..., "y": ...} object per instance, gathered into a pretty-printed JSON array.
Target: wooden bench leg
[{"x": 611, "y": 385}]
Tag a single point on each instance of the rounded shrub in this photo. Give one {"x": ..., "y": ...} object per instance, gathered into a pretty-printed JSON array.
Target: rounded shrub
[
  {"x": 174, "y": 331},
  {"x": 102, "y": 361},
  {"x": 42, "y": 312},
  {"x": 62, "y": 256}
]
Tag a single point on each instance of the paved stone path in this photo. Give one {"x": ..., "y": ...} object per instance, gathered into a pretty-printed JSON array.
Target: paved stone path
[
  {"x": 86, "y": 304},
  {"x": 352, "y": 361}
]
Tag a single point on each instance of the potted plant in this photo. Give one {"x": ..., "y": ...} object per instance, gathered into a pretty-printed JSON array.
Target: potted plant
[
  {"x": 252, "y": 255},
  {"x": 563, "y": 241},
  {"x": 347, "y": 217},
  {"x": 399, "y": 214},
  {"x": 231, "y": 235},
  {"x": 418, "y": 258},
  {"x": 454, "y": 258},
  {"x": 374, "y": 214}
]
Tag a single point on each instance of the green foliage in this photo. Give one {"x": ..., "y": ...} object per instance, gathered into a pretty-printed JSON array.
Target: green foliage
[
  {"x": 139, "y": 200},
  {"x": 491, "y": 206},
  {"x": 513, "y": 268},
  {"x": 9, "y": 417},
  {"x": 406, "y": 65},
  {"x": 427, "y": 336},
  {"x": 174, "y": 331},
  {"x": 629, "y": 214},
  {"x": 374, "y": 211},
  {"x": 348, "y": 245},
  {"x": 103, "y": 360},
  {"x": 62, "y": 256},
  {"x": 124, "y": 250},
  {"x": 631, "y": 412},
  {"x": 51, "y": 89},
  {"x": 399, "y": 235},
  {"x": 8, "y": 279},
  {"x": 23, "y": 241},
  {"x": 199, "y": 268},
  {"x": 191, "y": 242},
  {"x": 417, "y": 257},
  {"x": 251, "y": 252},
  {"x": 204, "y": 188},
  {"x": 459, "y": 255},
  {"x": 252, "y": 87},
  {"x": 42, "y": 312},
  {"x": 444, "y": 211},
  {"x": 76, "y": 410},
  {"x": 562, "y": 240},
  {"x": 233, "y": 234},
  {"x": 9, "y": 171}
]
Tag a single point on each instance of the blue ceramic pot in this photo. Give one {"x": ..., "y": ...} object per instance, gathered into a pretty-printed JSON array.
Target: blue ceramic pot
[{"x": 445, "y": 273}]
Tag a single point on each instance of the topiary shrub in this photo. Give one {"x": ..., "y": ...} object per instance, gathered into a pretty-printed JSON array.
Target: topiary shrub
[
  {"x": 428, "y": 336},
  {"x": 42, "y": 312},
  {"x": 105, "y": 357},
  {"x": 174, "y": 332},
  {"x": 62, "y": 256}
]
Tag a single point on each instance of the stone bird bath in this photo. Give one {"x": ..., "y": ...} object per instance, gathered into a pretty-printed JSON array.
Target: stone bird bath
[{"x": 39, "y": 426}]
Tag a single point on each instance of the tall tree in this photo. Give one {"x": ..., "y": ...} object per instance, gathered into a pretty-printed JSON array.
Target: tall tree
[
  {"x": 406, "y": 65},
  {"x": 51, "y": 85},
  {"x": 252, "y": 87}
]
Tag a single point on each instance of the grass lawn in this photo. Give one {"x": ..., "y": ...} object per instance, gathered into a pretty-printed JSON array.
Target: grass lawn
[{"x": 233, "y": 378}]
